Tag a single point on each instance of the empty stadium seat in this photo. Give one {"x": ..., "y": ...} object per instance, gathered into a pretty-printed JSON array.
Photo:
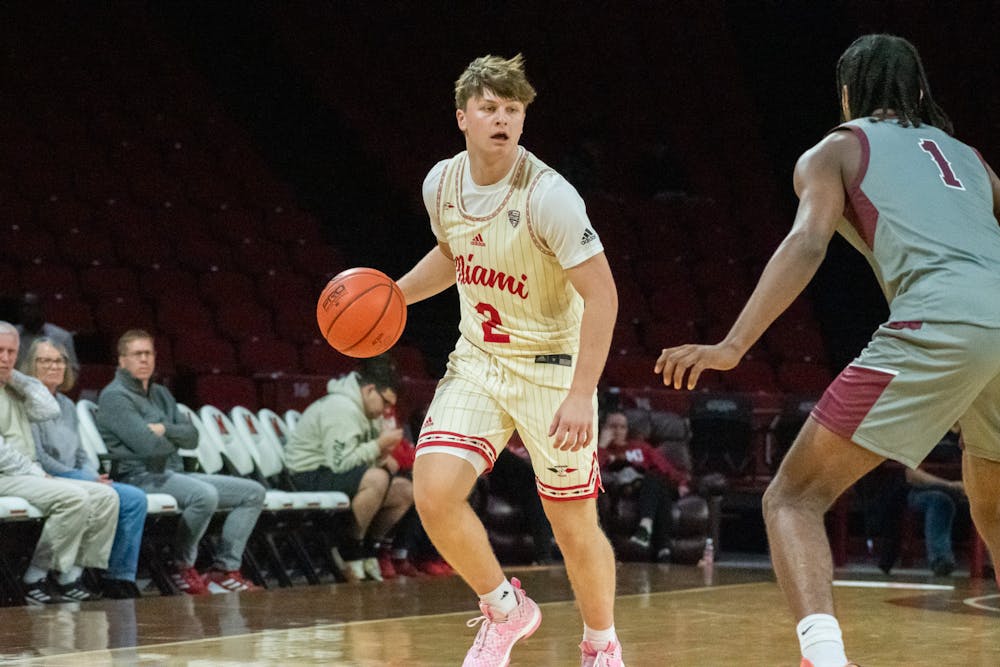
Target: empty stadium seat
[{"x": 226, "y": 391}]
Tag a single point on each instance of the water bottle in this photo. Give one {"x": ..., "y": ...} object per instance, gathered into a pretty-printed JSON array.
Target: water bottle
[
  {"x": 708, "y": 557},
  {"x": 708, "y": 562}
]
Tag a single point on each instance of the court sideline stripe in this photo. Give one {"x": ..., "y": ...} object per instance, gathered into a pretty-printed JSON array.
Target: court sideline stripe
[{"x": 330, "y": 626}]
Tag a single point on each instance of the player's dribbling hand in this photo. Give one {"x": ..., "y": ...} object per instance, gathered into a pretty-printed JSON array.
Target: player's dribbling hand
[
  {"x": 573, "y": 424},
  {"x": 691, "y": 360}
]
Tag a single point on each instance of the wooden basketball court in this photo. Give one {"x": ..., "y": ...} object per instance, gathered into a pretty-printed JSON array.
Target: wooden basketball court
[{"x": 666, "y": 615}]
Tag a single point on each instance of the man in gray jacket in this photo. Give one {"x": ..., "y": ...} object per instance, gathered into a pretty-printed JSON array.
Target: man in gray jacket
[
  {"x": 81, "y": 516},
  {"x": 139, "y": 418}
]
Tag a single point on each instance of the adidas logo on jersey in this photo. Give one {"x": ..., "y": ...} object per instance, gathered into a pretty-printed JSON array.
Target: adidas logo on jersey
[
  {"x": 478, "y": 240},
  {"x": 588, "y": 236},
  {"x": 428, "y": 422}
]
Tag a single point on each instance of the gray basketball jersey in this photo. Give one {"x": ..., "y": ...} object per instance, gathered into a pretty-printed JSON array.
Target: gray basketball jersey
[{"x": 921, "y": 212}]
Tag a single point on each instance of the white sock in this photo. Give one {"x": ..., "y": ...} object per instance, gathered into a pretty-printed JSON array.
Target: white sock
[
  {"x": 821, "y": 641},
  {"x": 70, "y": 575},
  {"x": 599, "y": 638},
  {"x": 501, "y": 599},
  {"x": 34, "y": 574}
]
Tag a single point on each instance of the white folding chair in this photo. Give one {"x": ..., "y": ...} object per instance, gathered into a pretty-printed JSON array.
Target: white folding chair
[
  {"x": 269, "y": 457},
  {"x": 221, "y": 432},
  {"x": 93, "y": 444},
  {"x": 292, "y": 420},
  {"x": 274, "y": 424}
]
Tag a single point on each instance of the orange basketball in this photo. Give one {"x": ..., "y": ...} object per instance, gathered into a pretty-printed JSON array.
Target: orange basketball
[{"x": 361, "y": 312}]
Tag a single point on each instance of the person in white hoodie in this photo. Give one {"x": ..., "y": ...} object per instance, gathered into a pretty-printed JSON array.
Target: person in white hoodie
[{"x": 341, "y": 443}]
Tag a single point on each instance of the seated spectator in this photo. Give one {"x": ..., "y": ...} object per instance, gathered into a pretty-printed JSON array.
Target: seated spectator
[
  {"x": 936, "y": 498},
  {"x": 33, "y": 325},
  {"x": 342, "y": 443},
  {"x": 80, "y": 515},
  {"x": 410, "y": 551},
  {"x": 138, "y": 418},
  {"x": 634, "y": 467},
  {"x": 61, "y": 454}
]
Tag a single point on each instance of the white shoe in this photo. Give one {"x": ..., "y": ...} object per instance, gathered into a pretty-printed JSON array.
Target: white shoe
[
  {"x": 353, "y": 570},
  {"x": 372, "y": 569}
]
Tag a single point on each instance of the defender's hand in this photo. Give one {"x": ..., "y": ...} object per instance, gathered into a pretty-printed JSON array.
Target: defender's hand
[{"x": 692, "y": 360}]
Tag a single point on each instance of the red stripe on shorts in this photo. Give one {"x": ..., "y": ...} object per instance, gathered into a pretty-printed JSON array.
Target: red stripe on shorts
[
  {"x": 588, "y": 490},
  {"x": 472, "y": 443},
  {"x": 849, "y": 399}
]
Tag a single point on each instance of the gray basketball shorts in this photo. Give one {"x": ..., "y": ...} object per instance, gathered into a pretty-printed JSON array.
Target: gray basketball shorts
[{"x": 912, "y": 383}]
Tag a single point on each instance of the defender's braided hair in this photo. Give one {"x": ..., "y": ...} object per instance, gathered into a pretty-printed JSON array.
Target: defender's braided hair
[{"x": 885, "y": 72}]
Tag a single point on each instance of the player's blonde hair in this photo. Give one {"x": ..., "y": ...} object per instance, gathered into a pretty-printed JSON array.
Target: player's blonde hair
[{"x": 505, "y": 78}]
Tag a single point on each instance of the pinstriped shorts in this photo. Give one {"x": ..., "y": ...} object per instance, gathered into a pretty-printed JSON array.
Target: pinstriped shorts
[
  {"x": 911, "y": 384},
  {"x": 483, "y": 398}
]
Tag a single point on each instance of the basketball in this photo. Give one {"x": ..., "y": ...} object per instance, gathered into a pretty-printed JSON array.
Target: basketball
[{"x": 361, "y": 312}]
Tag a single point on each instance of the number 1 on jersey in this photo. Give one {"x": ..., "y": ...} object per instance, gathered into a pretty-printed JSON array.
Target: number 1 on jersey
[
  {"x": 947, "y": 175},
  {"x": 492, "y": 321}
]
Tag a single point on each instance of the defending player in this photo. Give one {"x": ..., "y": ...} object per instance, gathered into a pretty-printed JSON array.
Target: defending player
[
  {"x": 538, "y": 307},
  {"x": 922, "y": 207}
]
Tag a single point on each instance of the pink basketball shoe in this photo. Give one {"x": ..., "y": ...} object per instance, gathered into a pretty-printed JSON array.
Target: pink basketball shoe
[
  {"x": 497, "y": 637},
  {"x": 593, "y": 656}
]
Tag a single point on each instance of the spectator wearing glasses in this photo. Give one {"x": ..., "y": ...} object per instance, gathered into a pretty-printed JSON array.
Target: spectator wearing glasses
[
  {"x": 61, "y": 454},
  {"x": 138, "y": 418},
  {"x": 342, "y": 443}
]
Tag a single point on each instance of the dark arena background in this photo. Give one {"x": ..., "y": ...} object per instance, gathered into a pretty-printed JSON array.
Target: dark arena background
[{"x": 202, "y": 169}]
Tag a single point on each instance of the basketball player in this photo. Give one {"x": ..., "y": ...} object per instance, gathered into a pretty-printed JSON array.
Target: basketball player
[
  {"x": 922, "y": 207},
  {"x": 538, "y": 308}
]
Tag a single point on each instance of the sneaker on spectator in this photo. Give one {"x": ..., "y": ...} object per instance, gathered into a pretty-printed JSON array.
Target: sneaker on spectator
[
  {"x": 608, "y": 656},
  {"x": 497, "y": 636},
  {"x": 41, "y": 592},
  {"x": 353, "y": 570},
  {"x": 436, "y": 568},
  {"x": 641, "y": 538},
  {"x": 187, "y": 580},
  {"x": 386, "y": 565},
  {"x": 76, "y": 591},
  {"x": 233, "y": 581},
  {"x": 405, "y": 568},
  {"x": 371, "y": 568}
]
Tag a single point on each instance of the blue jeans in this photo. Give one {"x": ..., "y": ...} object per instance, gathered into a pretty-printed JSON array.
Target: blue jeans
[
  {"x": 939, "y": 511},
  {"x": 198, "y": 496},
  {"x": 124, "y": 558}
]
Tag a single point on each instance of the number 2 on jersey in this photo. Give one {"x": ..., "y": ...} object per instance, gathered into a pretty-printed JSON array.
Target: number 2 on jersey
[
  {"x": 947, "y": 175},
  {"x": 493, "y": 321}
]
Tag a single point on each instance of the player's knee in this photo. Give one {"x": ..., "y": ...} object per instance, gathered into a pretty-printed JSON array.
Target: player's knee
[
  {"x": 433, "y": 503},
  {"x": 782, "y": 496}
]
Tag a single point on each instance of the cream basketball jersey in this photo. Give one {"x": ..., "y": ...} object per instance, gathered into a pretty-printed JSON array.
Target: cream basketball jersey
[{"x": 512, "y": 242}]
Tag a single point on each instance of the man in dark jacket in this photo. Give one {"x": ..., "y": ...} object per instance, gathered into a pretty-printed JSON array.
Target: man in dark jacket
[{"x": 139, "y": 418}]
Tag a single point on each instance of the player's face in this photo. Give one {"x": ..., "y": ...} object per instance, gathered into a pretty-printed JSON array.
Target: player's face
[
  {"x": 492, "y": 125},
  {"x": 9, "y": 344},
  {"x": 139, "y": 359}
]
